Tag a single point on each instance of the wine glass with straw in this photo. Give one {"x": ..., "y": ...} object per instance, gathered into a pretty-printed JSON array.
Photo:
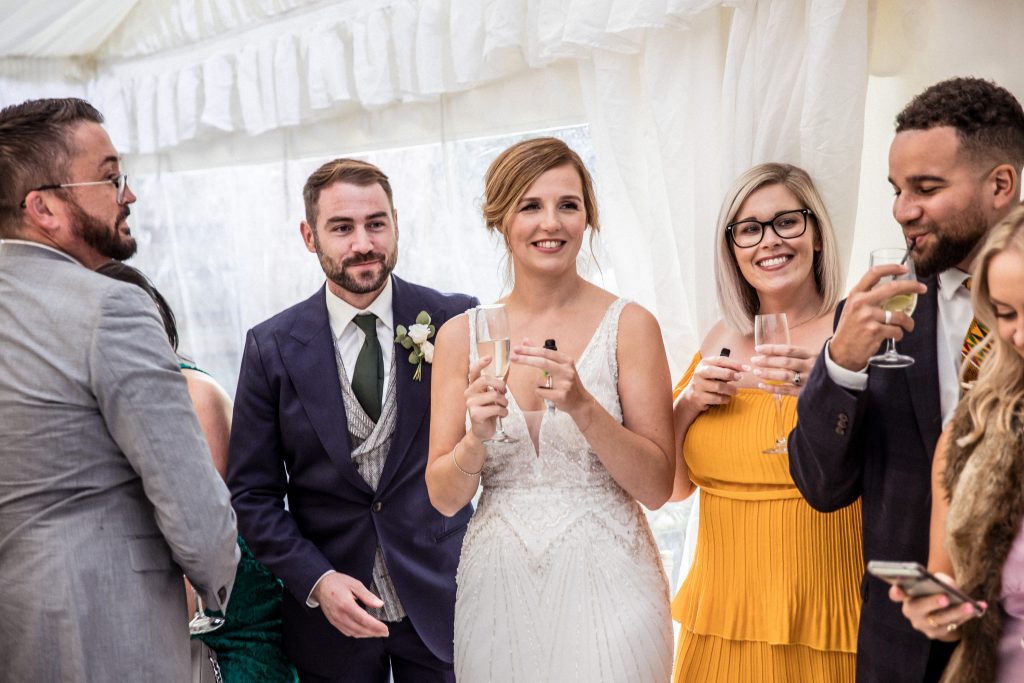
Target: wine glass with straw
[{"x": 904, "y": 303}]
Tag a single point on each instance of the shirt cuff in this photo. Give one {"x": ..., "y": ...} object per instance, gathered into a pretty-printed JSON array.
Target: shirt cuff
[
  {"x": 847, "y": 379},
  {"x": 310, "y": 602}
]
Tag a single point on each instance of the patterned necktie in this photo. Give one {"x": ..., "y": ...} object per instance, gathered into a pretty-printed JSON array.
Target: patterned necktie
[
  {"x": 368, "y": 375},
  {"x": 975, "y": 333}
]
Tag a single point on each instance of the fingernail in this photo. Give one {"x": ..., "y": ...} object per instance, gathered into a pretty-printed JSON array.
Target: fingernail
[
  {"x": 968, "y": 608},
  {"x": 943, "y": 601},
  {"x": 746, "y": 367},
  {"x": 758, "y": 373},
  {"x": 739, "y": 376},
  {"x": 756, "y": 359}
]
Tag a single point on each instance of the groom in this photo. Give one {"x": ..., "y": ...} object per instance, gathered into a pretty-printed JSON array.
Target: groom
[{"x": 333, "y": 414}]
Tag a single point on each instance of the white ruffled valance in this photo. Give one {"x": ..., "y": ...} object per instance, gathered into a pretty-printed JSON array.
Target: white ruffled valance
[{"x": 163, "y": 82}]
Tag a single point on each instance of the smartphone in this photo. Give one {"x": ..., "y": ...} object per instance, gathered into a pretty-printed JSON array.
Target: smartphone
[{"x": 916, "y": 581}]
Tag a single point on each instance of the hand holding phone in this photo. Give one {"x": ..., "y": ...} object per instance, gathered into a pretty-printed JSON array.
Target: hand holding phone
[{"x": 916, "y": 581}]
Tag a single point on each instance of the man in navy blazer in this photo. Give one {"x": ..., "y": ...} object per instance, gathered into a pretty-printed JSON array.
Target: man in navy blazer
[
  {"x": 955, "y": 168},
  {"x": 367, "y": 563}
]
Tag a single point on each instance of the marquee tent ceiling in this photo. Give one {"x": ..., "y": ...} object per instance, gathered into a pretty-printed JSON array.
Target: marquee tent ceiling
[{"x": 116, "y": 29}]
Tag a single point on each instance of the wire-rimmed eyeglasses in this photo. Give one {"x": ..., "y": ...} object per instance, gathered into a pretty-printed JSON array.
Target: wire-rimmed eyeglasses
[
  {"x": 787, "y": 225},
  {"x": 119, "y": 182}
]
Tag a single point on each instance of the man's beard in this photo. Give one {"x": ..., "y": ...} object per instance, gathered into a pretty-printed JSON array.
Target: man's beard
[
  {"x": 99, "y": 236},
  {"x": 339, "y": 274},
  {"x": 954, "y": 243}
]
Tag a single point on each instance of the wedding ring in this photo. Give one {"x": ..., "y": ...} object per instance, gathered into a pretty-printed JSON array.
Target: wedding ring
[
  {"x": 951, "y": 626},
  {"x": 888, "y": 317},
  {"x": 932, "y": 622},
  {"x": 549, "y": 382},
  {"x": 796, "y": 378}
]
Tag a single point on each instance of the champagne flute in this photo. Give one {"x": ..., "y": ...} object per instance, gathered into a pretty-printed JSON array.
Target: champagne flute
[
  {"x": 904, "y": 303},
  {"x": 494, "y": 339},
  {"x": 773, "y": 328},
  {"x": 201, "y": 621}
]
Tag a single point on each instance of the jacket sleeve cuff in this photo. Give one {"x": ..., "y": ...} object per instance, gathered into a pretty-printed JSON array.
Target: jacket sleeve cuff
[
  {"x": 310, "y": 602},
  {"x": 847, "y": 379}
]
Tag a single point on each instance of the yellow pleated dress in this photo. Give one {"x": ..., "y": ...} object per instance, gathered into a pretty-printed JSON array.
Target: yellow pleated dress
[{"x": 773, "y": 594}]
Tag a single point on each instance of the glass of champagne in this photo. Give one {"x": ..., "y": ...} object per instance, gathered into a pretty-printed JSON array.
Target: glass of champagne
[
  {"x": 201, "y": 621},
  {"x": 773, "y": 328},
  {"x": 905, "y": 303},
  {"x": 494, "y": 339}
]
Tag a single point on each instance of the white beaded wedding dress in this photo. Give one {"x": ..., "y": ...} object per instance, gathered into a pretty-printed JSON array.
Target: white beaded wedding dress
[{"x": 560, "y": 579}]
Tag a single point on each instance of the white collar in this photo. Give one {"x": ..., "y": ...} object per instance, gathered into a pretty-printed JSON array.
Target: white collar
[
  {"x": 42, "y": 246},
  {"x": 950, "y": 281},
  {"x": 340, "y": 312}
]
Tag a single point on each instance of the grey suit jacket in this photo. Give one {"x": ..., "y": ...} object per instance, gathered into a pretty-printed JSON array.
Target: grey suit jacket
[{"x": 107, "y": 490}]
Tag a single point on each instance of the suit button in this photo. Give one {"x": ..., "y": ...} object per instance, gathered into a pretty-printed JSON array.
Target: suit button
[{"x": 376, "y": 506}]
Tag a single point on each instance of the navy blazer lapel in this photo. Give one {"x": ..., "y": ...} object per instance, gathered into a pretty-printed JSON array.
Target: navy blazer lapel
[
  {"x": 412, "y": 397},
  {"x": 923, "y": 375},
  {"x": 307, "y": 351}
]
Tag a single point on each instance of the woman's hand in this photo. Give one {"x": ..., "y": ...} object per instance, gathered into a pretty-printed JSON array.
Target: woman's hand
[
  {"x": 561, "y": 386},
  {"x": 485, "y": 399},
  {"x": 932, "y": 614},
  {"x": 782, "y": 368},
  {"x": 714, "y": 383}
]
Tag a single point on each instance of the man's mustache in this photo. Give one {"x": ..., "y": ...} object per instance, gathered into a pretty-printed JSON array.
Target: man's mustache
[{"x": 363, "y": 258}]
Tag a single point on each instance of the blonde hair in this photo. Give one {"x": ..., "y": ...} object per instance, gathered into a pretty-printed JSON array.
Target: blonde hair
[
  {"x": 997, "y": 398},
  {"x": 514, "y": 170},
  {"x": 736, "y": 297}
]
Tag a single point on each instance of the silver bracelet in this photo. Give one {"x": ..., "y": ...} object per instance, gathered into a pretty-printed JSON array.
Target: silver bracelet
[{"x": 454, "y": 460}]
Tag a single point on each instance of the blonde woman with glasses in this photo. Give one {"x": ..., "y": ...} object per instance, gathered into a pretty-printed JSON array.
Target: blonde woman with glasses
[{"x": 773, "y": 592}]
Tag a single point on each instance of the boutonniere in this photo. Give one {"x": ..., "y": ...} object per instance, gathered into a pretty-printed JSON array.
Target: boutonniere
[{"x": 415, "y": 339}]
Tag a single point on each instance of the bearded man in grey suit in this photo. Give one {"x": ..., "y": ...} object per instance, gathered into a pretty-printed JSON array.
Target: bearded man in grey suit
[{"x": 107, "y": 490}]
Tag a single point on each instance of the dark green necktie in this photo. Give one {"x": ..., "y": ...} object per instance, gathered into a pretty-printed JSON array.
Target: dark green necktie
[{"x": 368, "y": 376}]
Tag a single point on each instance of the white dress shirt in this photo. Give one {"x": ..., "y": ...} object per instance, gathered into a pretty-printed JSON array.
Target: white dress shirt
[
  {"x": 349, "y": 337},
  {"x": 954, "y": 319}
]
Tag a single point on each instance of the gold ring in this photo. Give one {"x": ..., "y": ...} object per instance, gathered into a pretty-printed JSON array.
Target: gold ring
[{"x": 932, "y": 622}]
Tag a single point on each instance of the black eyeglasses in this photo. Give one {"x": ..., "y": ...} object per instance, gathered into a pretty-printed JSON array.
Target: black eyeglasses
[
  {"x": 120, "y": 183},
  {"x": 787, "y": 225}
]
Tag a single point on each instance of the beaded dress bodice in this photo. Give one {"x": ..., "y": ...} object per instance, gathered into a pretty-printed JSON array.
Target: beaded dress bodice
[{"x": 560, "y": 578}]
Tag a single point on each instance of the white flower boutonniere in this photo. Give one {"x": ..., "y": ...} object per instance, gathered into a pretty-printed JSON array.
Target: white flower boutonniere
[{"x": 415, "y": 339}]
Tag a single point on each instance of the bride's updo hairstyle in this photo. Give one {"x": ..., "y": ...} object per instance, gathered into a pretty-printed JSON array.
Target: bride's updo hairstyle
[{"x": 515, "y": 169}]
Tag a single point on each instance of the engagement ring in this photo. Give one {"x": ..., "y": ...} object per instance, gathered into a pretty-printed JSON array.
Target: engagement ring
[
  {"x": 888, "y": 317},
  {"x": 796, "y": 378}
]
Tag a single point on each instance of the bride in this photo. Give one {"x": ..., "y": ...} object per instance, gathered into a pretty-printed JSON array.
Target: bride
[{"x": 559, "y": 578}]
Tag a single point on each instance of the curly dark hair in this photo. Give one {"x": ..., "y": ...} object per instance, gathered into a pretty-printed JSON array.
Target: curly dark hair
[{"x": 988, "y": 119}]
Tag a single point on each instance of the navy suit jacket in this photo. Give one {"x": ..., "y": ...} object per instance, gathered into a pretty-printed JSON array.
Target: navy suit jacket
[
  {"x": 878, "y": 444},
  {"x": 290, "y": 438}
]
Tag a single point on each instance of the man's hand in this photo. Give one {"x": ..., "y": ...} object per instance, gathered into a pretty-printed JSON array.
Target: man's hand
[
  {"x": 337, "y": 594},
  {"x": 862, "y": 327}
]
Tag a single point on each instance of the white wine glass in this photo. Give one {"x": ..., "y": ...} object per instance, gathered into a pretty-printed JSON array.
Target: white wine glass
[
  {"x": 904, "y": 303},
  {"x": 201, "y": 621},
  {"x": 494, "y": 339},
  {"x": 773, "y": 328}
]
